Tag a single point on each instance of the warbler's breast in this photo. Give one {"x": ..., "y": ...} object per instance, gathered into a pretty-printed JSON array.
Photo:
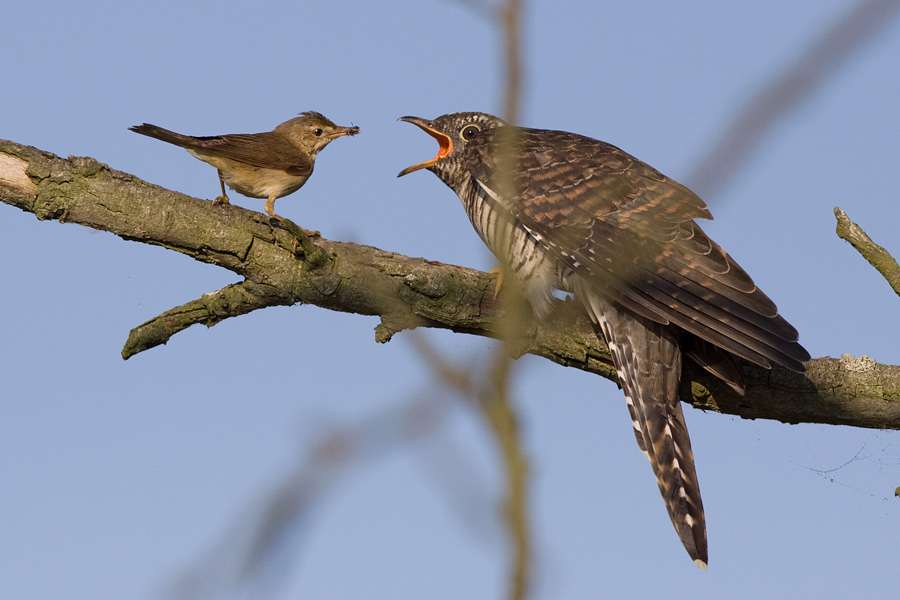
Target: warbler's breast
[{"x": 257, "y": 182}]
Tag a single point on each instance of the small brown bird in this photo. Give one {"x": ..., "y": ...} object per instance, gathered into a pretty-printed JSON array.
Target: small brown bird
[
  {"x": 573, "y": 213},
  {"x": 260, "y": 165}
]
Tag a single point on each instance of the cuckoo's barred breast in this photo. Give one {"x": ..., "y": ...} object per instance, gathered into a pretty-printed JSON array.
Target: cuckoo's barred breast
[{"x": 513, "y": 245}]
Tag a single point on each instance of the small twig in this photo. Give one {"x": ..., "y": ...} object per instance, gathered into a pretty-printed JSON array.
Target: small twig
[
  {"x": 501, "y": 416},
  {"x": 877, "y": 256},
  {"x": 230, "y": 301}
]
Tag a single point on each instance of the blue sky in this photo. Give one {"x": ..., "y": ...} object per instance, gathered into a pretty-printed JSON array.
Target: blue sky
[{"x": 117, "y": 476}]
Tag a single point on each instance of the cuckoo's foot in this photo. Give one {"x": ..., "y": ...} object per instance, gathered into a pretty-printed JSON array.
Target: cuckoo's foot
[{"x": 499, "y": 272}]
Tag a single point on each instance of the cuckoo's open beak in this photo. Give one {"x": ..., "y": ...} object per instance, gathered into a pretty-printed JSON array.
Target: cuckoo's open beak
[{"x": 444, "y": 141}]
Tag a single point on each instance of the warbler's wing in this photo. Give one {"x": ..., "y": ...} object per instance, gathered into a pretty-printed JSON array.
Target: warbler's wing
[{"x": 269, "y": 150}]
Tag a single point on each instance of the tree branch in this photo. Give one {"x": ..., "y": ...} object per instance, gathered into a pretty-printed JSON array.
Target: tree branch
[
  {"x": 231, "y": 301},
  {"x": 404, "y": 292},
  {"x": 877, "y": 256}
]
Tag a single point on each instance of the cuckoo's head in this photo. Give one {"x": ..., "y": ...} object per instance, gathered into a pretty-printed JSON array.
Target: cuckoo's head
[{"x": 452, "y": 132}]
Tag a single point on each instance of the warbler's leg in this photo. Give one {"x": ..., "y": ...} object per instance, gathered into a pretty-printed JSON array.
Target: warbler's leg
[
  {"x": 270, "y": 208},
  {"x": 223, "y": 199}
]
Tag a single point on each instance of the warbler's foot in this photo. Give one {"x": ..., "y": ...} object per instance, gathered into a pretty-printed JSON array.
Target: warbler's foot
[{"x": 221, "y": 200}]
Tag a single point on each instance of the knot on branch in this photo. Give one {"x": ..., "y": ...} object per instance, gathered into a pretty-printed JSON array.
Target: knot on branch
[
  {"x": 304, "y": 249},
  {"x": 857, "y": 364},
  {"x": 87, "y": 166}
]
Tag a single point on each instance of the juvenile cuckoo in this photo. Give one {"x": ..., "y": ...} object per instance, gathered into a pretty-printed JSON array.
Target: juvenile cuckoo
[
  {"x": 260, "y": 165},
  {"x": 565, "y": 211}
]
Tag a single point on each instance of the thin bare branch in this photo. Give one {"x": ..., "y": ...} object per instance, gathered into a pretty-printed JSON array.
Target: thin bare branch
[
  {"x": 877, "y": 256},
  {"x": 231, "y": 301}
]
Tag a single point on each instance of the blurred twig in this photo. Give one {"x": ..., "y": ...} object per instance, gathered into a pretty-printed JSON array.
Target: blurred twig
[
  {"x": 493, "y": 396},
  {"x": 816, "y": 66},
  {"x": 511, "y": 26},
  {"x": 497, "y": 407},
  {"x": 877, "y": 256},
  {"x": 255, "y": 556},
  {"x": 502, "y": 417}
]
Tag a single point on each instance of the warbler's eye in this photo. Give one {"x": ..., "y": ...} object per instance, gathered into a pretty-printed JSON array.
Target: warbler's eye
[
  {"x": 318, "y": 132},
  {"x": 469, "y": 131}
]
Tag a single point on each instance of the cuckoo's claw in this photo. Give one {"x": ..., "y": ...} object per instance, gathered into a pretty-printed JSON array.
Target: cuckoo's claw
[{"x": 498, "y": 271}]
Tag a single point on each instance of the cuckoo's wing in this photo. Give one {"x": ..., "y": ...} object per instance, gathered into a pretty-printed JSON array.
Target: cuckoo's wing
[{"x": 629, "y": 232}]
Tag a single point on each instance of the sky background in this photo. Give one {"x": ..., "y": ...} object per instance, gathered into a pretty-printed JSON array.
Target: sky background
[{"x": 117, "y": 477}]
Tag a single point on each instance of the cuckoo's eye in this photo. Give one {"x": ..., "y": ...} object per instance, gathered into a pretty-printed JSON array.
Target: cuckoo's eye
[
  {"x": 469, "y": 131},
  {"x": 318, "y": 131}
]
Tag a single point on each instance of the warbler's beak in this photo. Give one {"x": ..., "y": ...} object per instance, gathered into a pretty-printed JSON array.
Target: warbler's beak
[
  {"x": 444, "y": 141},
  {"x": 339, "y": 131}
]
